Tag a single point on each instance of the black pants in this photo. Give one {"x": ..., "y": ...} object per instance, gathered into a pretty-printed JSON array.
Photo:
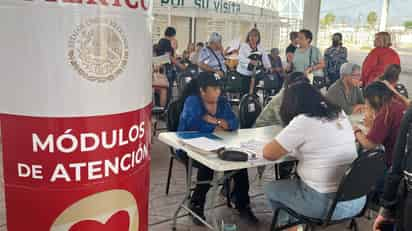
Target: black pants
[
  {"x": 406, "y": 214},
  {"x": 246, "y": 83},
  {"x": 171, "y": 77},
  {"x": 241, "y": 187},
  {"x": 333, "y": 78}
]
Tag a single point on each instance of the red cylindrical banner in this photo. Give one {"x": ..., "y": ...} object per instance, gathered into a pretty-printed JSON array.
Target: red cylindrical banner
[{"x": 75, "y": 104}]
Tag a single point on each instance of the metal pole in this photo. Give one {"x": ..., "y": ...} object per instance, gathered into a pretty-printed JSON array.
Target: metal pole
[
  {"x": 311, "y": 16},
  {"x": 169, "y": 15},
  {"x": 384, "y": 15}
]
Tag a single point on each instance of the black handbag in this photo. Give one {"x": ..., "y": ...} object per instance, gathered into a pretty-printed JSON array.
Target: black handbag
[
  {"x": 272, "y": 81},
  {"x": 256, "y": 57},
  {"x": 233, "y": 82},
  {"x": 232, "y": 155}
]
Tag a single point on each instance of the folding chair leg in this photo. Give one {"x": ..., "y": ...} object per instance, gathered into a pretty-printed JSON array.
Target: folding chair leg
[
  {"x": 227, "y": 185},
  {"x": 277, "y": 172},
  {"x": 275, "y": 220},
  {"x": 154, "y": 128},
  {"x": 369, "y": 214},
  {"x": 169, "y": 175},
  {"x": 353, "y": 225},
  {"x": 309, "y": 228}
]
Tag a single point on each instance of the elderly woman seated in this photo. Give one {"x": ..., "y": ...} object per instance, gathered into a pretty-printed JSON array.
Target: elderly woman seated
[{"x": 345, "y": 92}]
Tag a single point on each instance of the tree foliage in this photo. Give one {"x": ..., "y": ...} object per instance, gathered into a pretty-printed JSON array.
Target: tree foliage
[
  {"x": 407, "y": 24},
  {"x": 372, "y": 19},
  {"x": 328, "y": 20}
]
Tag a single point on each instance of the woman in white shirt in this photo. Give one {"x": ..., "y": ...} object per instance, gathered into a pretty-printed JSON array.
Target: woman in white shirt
[
  {"x": 246, "y": 49},
  {"x": 319, "y": 135}
]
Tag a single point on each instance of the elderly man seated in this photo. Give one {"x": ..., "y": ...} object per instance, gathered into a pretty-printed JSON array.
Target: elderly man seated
[{"x": 345, "y": 92}]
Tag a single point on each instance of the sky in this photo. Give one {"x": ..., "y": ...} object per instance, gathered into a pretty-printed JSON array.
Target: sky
[{"x": 352, "y": 11}]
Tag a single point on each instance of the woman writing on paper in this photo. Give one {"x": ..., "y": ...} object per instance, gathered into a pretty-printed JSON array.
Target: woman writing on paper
[
  {"x": 206, "y": 111},
  {"x": 320, "y": 136}
]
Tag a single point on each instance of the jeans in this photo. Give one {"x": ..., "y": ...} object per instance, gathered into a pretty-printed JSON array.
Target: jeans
[
  {"x": 406, "y": 214},
  {"x": 304, "y": 200},
  {"x": 377, "y": 193}
]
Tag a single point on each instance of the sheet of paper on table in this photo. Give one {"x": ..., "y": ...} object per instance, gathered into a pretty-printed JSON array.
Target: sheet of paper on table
[
  {"x": 204, "y": 144},
  {"x": 255, "y": 147},
  {"x": 358, "y": 120}
]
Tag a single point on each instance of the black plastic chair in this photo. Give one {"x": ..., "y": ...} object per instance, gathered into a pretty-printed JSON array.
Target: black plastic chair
[
  {"x": 233, "y": 87},
  {"x": 402, "y": 90},
  {"x": 359, "y": 180},
  {"x": 173, "y": 116},
  {"x": 320, "y": 82},
  {"x": 272, "y": 83},
  {"x": 183, "y": 80},
  {"x": 192, "y": 70},
  {"x": 233, "y": 82},
  {"x": 249, "y": 109},
  {"x": 157, "y": 113}
]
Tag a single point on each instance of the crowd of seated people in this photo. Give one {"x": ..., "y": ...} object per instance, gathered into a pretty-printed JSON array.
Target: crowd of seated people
[{"x": 316, "y": 129}]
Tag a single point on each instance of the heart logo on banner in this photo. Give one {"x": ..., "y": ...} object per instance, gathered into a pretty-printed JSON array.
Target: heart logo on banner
[
  {"x": 118, "y": 222},
  {"x": 114, "y": 210}
]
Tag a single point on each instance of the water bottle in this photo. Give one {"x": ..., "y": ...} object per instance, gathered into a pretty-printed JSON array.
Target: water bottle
[{"x": 229, "y": 225}]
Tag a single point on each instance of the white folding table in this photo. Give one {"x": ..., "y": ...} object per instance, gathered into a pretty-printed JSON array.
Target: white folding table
[
  {"x": 220, "y": 166},
  {"x": 217, "y": 165}
]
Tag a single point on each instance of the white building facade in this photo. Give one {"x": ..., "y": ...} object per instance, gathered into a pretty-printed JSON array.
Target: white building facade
[{"x": 194, "y": 20}]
